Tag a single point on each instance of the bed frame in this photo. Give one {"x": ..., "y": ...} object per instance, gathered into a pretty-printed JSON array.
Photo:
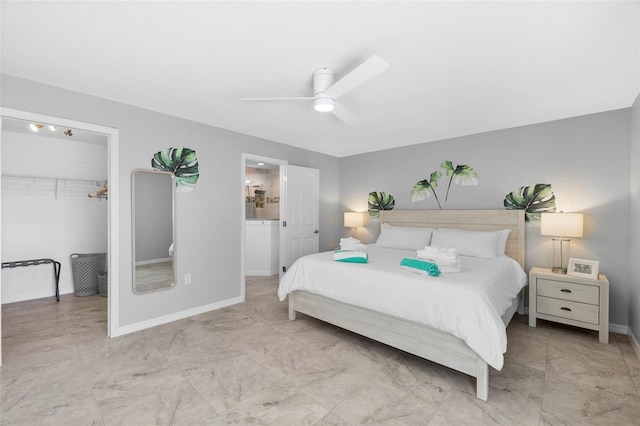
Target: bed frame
[{"x": 421, "y": 340}]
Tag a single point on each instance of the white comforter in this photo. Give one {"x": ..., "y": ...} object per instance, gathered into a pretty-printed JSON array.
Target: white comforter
[{"x": 468, "y": 304}]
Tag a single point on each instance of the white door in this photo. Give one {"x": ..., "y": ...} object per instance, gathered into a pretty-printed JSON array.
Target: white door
[{"x": 300, "y": 222}]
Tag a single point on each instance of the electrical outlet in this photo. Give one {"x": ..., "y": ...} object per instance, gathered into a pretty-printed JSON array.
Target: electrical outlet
[{"x": 187, "y": 279}]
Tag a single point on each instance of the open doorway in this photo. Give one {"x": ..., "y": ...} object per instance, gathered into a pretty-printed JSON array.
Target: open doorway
[
  {"x": 262, "y": 203},
  {"x": 43, "y": 175},
  {"x": 297, "y": 225},
  {"x": 262, "y": 214}
]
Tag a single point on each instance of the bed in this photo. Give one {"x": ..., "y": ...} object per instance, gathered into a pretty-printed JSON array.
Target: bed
[{"x": 442, "y": 347}]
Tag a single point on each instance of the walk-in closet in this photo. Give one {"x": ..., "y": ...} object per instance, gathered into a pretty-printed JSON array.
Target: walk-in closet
[{"x": 54, "y": 205}]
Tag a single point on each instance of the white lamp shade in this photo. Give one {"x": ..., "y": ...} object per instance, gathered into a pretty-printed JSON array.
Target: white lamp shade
[
  {"x": 561, "y": 224},
  {"x": 353, "y": 219}
]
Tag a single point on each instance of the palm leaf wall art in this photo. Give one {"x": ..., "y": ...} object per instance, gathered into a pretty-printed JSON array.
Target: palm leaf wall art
[
  {"x": 182, "y": 162},
  {"x": 420, "y": 190},
  {"x": 460, "y": 175},
  {"x": 534, "y": 200},
  {"x": 380, "y": 201}
]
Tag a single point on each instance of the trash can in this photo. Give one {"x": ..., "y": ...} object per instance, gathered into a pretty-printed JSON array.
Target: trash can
[
  {"x": 85, "y": 268},
  {"x": 102, "y": 284}
]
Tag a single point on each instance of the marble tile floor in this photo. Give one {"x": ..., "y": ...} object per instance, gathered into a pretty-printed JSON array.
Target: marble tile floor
[{"x": 247, "y": 364}]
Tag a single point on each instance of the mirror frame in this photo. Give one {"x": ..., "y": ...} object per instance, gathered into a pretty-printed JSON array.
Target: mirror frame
[{"x": 133, "y": 229}]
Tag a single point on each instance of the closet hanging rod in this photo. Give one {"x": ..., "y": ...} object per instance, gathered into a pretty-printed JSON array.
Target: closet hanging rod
[{"x": 97, "y": 182}]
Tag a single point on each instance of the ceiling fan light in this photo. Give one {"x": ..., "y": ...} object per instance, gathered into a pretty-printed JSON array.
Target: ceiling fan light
[{"x": 323, "y": 104}]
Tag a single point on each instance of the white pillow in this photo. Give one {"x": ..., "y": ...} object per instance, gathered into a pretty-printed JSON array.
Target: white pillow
[
  {"x": 502, "y": 242},
  {"x": 404, "y": 237},
  {"x": 486, "y": 244}
]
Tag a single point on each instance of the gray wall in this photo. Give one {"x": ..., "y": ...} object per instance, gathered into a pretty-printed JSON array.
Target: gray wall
[
  {"x": 208, "y": 218},
  {"x": 154, "y": 215},
  {"x": 585, "y": 159},
  {"x": 634, "y": 221}
]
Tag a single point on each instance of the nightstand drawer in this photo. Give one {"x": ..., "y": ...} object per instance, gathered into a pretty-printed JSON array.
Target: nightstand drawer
[
  {"x": 568, "y": 291},
  {"x": 567, "y": 309}
]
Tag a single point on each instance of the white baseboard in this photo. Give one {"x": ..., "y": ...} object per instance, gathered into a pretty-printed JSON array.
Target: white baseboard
[
  {"x": 142, "y": 325},
  {"x": 149, "y": 262},
  {"x": 261, "y": 273},
  {"x": 36, "y": 295},
  {"x": 617, "y": 328},
  {"x": 634, "y": 344}
]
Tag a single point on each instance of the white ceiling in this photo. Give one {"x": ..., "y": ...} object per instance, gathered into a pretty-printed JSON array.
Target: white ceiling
[{"x": 457, "y": 68}]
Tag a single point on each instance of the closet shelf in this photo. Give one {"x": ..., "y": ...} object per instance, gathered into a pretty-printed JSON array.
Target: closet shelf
[
  {"x": 48, "y": 183},
  {"x": 97, "y": 182}
]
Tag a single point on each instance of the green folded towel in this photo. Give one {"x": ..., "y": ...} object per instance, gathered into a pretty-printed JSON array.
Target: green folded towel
[
  {"x": 350, "y": 256},
  {"x": 420, "y": 266}
]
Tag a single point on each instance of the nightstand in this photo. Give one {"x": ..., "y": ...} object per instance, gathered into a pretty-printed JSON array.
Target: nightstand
[{"x": 576, "y": 301}]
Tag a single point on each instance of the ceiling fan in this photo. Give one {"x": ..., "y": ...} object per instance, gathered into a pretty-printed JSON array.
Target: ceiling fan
[{"x": 326, "y": 91}]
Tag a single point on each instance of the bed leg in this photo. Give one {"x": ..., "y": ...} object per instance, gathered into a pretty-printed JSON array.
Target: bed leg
[
  {"x": 292, "y": 312},
  {"x": 482, "y": 380},
  {"x": 521, "y": 302}
]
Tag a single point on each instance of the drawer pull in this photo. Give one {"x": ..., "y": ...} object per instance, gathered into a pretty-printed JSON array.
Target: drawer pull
[
  {"x": 565, "y": 290},
  {"x": 564, "y": 308}
]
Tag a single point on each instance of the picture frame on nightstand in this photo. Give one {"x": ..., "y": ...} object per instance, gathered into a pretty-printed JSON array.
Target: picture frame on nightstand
[{"x": 583, "y": 268}]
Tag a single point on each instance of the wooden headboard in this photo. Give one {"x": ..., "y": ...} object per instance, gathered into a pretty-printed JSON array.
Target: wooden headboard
[{"x": 476, "y": 220}]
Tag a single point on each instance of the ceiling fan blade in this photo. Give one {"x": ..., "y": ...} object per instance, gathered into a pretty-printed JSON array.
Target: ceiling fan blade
[
  {"x": 344, "y": 114},
  {"x": 363, "y": 72},
  {"x": 304, "y": 98}
]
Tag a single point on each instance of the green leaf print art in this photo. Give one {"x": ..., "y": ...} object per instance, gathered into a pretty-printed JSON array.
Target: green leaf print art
[
  {"x": 182, "y": 162},
  {"x": 421, "y": 189},
  {"x": 380, "y": 201},
  {"x": 534, "y": 200},
  {"x": 460, "y": 175}
]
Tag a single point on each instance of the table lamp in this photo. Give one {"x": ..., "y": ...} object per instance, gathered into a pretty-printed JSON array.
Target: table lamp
[
  {"x": 353, "y": 220},
  {"x": 561, "y": 226}
]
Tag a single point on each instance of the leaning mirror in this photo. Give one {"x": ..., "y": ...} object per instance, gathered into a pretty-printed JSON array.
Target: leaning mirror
[{"x": 153, "y": 230}]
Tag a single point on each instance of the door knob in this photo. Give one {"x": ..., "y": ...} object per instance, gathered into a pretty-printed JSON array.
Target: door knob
[{"x": 316, "y": 231}]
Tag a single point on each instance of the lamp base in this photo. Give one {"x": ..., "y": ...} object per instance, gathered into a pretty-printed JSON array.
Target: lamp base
[{"x": 560, "y": 255}]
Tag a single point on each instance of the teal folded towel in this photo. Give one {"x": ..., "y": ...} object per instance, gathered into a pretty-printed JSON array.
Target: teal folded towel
[
  {"x": 350, "y": 256},
  {"x": 420, "y": 266}
]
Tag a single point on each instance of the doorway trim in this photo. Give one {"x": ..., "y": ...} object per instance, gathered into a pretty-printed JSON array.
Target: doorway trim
[
  {"x": 113, "y": 223},
  {"x": 243, "y": 217}
]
